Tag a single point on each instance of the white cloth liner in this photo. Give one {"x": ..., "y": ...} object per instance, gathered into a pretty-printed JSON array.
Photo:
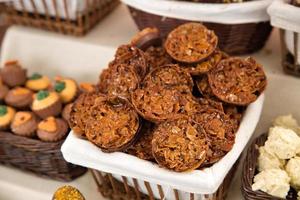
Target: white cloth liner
[
  {"x": 234, "y": 13},
  {"x": 286, "y": 16},
  {"x": 73, "y": 6},
  {"x": 207, "y": 181}
]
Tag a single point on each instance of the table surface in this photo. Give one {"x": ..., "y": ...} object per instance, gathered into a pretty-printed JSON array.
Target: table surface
[{"x": 281, "y": 98}]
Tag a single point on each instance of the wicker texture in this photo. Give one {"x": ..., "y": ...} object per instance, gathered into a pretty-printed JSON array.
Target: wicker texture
[
  {"x": 249, "y": 169},
  {"x": 94, "y": 11},
  {"x": 233, "y": 39},
  {"x": 111, "y": 188},
  {"x": 289, "y": 62},
  {"x": 41, "y": 158}
]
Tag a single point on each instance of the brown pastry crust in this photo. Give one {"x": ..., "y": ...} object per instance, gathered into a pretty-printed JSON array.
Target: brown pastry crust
[
  {"x": 191, "y": 43},
  {"x": 24, "y": 124},
  {"x": 146, "y": 38},
  {"x": 235, "y": 114},
  {"x": 114, "y": 125},
  {"x": 142, "y": 148},
  {"x": 211, "y": 104},
  {"x": 180, "y": 145},
  {"x": 157, "y": 56},
  {"x": 12, "y": 74},
  {"x": 118, "y": 80},
  {"x": 81, "y": 111},
  {"x": 206, "y": 65},
  {"x": 237, "y": 81},
  {"x": 168, "y": 76},
  {"x": 59, "y": 133},
  {"x": 220, "y": 132},
  {"x": 22, "y": 99},
  {"x": 133, "y": 57},
  {"x": 66, "y": 112},
  {"x": 158, "y": 104}
]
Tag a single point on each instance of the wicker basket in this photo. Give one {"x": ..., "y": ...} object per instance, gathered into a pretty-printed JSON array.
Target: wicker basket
[
  {"x": 249, "y": 170},
  {"x": 114, "y": 189},
  {"x": 84, "y": 21},
  {"x": 42, "y": 158},
  {"x": 234, "y": 39},
  {"x": 289, "y": 62}
]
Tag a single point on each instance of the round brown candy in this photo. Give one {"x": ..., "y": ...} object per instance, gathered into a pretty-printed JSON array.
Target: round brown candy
[
  {"x": 179, "y": 145},
  {"x": 237, "y": 81},
  {"x": 142, "y": 148},
  {"x": 133, "y": 57},
  {"x": 191, "y": 43},
  {"x": 157, "y": 56},
  {"x": 158, "y": 104},
  {"x": 114, "y": 124},
  {"x": 146, "y": 38},
  {"x": 80, "y": 111},
  {"x": 206, "y": 65},
  {"x": 220, "y": 132},
  {"x": 118, "y": 80},
  {"x": 168, "y": 76}
]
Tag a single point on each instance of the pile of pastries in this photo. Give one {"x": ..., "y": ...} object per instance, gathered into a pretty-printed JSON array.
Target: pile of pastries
[
  {"x": 176, "y": 101},
  {"x": 279, "y": 160},
  {"x": 33, "y": 106}
]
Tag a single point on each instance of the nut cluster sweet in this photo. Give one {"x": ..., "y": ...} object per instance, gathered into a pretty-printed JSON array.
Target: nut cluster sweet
[{"x": 147, "y": 103}]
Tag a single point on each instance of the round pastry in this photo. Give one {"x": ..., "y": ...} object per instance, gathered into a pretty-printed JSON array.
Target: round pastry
[
  {"x": 12, "y": 74},
  {"x": 81, "y": 110},
  {"x": 220, "y": 133},
  {"x": 146, "y": 38},
  {"x": 179, "y": 145},
  {"x": 87, "y": 87},
  {"x": 114, "y": 125},
  {"x": 237, "y": 81},
  {"x": 66, "y": 88},
  {"x": 157, "y": 56},
  {"x": 67, "y": 193},
  {"x": 118, "y": 80},
  {"x": 158, "y": 104},
  {"x": 133, "y": 57},
  {"x": 19, "y": 97},
  {"x": 38, "y": 82},
  {"x": 168, "y": 76},
  {"x": 52, "y": 129},
  {"x": 66, "y": 112},
  {"x": 3, "y": 90},
  {"x": 46, "y": 104},
  {"x": 191, "y": 43},
  {"x": 142, "y": 148},
  {"x": 6, "y": 116},
  {"x": 206, "y": 65},
  {"x": 24, "y": 124}
]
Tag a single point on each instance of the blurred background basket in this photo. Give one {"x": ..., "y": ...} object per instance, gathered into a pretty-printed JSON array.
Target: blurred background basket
[
  {"x": 249, "y": 170},
  {"x": 42, "y": 158},
  {"x": 234, "y": 39},
  {"x": 56, "y": 15},
  {"x": 115, "y": 189}
]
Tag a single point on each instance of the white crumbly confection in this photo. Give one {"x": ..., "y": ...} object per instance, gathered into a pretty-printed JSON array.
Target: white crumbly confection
[
  {"x": 293, "y": 170},
  {"x": 267, "y": 160},
  {"x": 287, "y": 121},
  {"x": 282, "y": 142},
  {"x": 272, "y": 181}
]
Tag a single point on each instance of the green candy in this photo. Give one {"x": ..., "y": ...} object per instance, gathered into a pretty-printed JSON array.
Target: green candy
[
  {"x": 3, "y": 110},
  {"x": 42, "y": 94},
  {"x": 35, "y": 76},
  {"x": 59, "y": 86}
]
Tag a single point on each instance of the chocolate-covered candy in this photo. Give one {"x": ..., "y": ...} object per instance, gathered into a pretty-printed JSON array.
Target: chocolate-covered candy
[
  {"x": 191, "y": 43},
  {"x": 19, "y": 97},
  {"x": 180, "y": 145},
  {"x": 237, "y": 81},
  {"x": 146, "y": 38},
  {"x": 114, "y": 124},
  {"x": 118, "y": 80},
  {"x": 52, "y": 129},
  {"x": 13, "y": 74}
]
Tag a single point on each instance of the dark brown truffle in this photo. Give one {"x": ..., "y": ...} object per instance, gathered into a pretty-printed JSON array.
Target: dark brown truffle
[{"x": 12, "y": 74}]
